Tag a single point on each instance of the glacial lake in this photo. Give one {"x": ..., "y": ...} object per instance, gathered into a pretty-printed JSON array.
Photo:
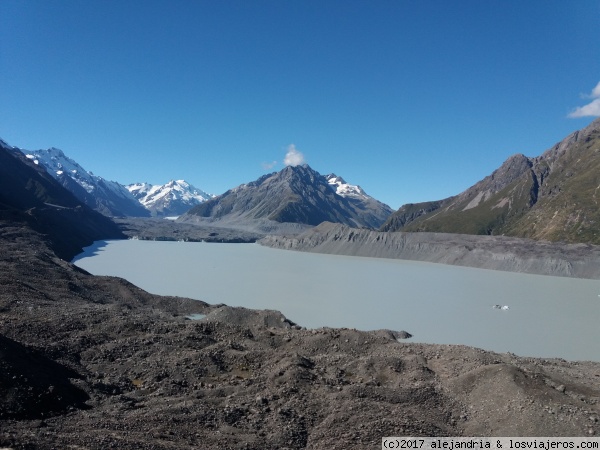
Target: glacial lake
[{"x": 546, "y": 316}]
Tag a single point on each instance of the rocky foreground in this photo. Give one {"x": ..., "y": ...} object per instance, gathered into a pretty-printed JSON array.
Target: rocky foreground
[
  {"x": 92, "y": 362},
  {"x": 485, "y": 252}
]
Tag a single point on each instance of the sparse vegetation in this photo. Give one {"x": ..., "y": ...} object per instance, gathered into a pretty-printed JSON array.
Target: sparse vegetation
[{"x": 553, "y": 197}]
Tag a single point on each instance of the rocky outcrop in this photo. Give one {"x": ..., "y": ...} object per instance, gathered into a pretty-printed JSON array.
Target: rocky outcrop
[{"x": 486, "y": 252}]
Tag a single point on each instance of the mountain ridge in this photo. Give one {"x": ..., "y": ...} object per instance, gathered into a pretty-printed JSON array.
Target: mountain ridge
[
  {"x": 31, "y": 196},
  {"x": 111, "y": 198},
  {"x": 107, "y": 197},
  {"x": 551, "y": 196},
  {"x": 296, "y": 194},
  {"x": 170, "y": 199}
]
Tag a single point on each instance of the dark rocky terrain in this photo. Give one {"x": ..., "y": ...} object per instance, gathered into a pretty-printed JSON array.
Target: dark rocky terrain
[
  {"x": 30, "y": 196},
  {"x": 294, "y": 195},
  {"x": 550, "y": 197},
  {"x": 91, "y": 362},
  {"x": 94, "y": 362},
  {"x": 485, "y": 252},
  {"x": 157, "y": 229},
  {"x": 107, "y": 197}
]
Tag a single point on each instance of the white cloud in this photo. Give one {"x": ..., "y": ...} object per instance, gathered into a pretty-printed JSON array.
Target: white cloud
[
  {"x": 269, "y": 166},
  {"x": 293, "y": 157},
  {"x": 596, "y": 91},
  {"x": 592, "y": 108}
]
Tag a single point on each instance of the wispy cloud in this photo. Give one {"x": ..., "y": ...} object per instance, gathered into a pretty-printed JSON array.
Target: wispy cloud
[
  {"x": 269, "y": 165},
  {"x": 592, "y": 108},
  {"x": 293, "y": 157}
]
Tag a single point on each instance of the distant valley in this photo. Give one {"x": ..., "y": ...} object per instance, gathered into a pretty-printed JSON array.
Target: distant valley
[{"x": 91, "y": 359}]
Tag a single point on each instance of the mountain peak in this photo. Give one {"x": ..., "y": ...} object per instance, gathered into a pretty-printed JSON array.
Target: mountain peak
[
  {"x": 339, "y": 185},
  {"x": 333, "y": 178},
  {"x": 552, "y": 197},
  {"x": 299, "y": 170},
  {"x": 295, "y": 194},
  {"x": 57, "y": 152},
  {"x": 299, "y": 166},
  {"x": 108, "y": 197},
  {"x": 170, "y": 199}
]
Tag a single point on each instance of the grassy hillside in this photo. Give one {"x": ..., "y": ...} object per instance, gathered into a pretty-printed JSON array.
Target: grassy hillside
[
  {"x": 567, "y": 206},
  {"x": 554, "y": 197}
]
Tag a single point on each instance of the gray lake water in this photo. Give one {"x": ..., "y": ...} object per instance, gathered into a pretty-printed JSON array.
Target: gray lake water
[{"x": 547, "y": 316}]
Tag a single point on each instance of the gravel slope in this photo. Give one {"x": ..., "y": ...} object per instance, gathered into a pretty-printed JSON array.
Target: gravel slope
[
  {"x": 94, "y": 362},
  {"x": 485, "y": 252}
]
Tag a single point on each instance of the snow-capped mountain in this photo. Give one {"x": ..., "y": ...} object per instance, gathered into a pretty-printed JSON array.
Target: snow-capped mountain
[
  {"x": 31, "y": 197},
  {"x": 344, "y": 189},
  {"x": 297, "y": 195},
  {"x": 171, "y": 199},
  {"x": 108, "y": 197},
  {"x": 112, "y": 198}
]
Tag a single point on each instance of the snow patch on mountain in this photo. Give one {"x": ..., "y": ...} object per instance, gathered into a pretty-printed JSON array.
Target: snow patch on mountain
[
  {"x": 112, "y": 198},
  {"x": 295, "y": 195},
  {"x": 59, "y": 165},
  {"x": 172, "y": 198},
  {"x": 339, "y": 185}
]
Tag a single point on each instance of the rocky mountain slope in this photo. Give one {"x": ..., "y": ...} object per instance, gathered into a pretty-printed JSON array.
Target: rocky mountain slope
[
  {"x": 484, "y": 252},
  {"x": 113, "y": 199},
  {"x": 553, "y": 197},
  {"x": 294, "y": 195},
  {"x": 30, "y": 195},
  {"x": 170, "y": 199},
  {"x": 95, "y": 362},
  {"x": 107, "y": 197}
]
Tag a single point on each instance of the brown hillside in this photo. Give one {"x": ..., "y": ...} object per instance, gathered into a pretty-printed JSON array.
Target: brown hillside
[{"x": 553, "y": 197}]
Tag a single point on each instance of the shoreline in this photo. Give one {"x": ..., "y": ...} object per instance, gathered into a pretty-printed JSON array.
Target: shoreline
[
  {"x": 486, "y": 252},
  {"x": 91, "y": 360},
  {"x": 440, "y": 304},
  {"x": 503, "y": 253}
]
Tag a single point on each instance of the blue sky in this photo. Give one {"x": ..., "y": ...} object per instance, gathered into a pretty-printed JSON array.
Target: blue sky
[{"x": 413, "y": 100}]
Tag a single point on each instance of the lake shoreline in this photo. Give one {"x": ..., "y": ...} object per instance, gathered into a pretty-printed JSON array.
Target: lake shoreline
[
  {"x": 485, "y": 252},
  {"x": 437, "y": 303},
  {"x": 91, "y": 359}
]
